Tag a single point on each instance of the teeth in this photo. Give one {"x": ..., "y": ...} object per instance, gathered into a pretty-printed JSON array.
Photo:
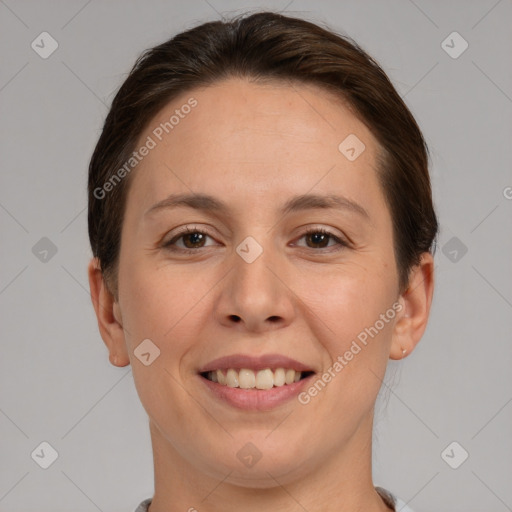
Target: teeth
[
  {"x": 279, "y": 377},
  {"x": 264, "y": 379},
  {"x": 290, "y": 376},
  {"x": 232, "y": 378},
  {"x": 221, "y": 378},
  {"x": 248, "y": 379}
]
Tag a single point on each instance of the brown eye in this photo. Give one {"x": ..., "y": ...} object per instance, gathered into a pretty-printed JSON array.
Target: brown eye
[
  {"x": 194, "y": 238},
  {"x": 319, "y": 239},
  {"x": 187, "y": 241}
]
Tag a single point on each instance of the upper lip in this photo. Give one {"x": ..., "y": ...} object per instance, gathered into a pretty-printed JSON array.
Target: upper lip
[{"x": 255, "y": 363}]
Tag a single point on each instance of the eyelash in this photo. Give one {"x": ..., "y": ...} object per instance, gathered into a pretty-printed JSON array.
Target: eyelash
[{"x": 187, "y": 231}]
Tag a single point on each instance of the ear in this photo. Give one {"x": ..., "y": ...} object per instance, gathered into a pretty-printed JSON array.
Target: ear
[
  {"x": 416, "y": 301},
  {"x": 108, "y": 314}
]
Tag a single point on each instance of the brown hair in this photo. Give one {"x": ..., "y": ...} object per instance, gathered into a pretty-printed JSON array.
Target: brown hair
[{"x": 265, "y": 46}]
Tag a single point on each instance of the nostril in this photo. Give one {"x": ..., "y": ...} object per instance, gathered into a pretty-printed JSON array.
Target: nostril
[{"x": 235, "y": 318}]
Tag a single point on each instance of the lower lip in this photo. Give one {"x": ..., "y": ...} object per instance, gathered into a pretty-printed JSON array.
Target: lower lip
[{"x": 256, "y": 399}]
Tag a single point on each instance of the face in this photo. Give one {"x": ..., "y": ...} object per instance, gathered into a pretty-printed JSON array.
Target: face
[{"x": 263, "y": 274}]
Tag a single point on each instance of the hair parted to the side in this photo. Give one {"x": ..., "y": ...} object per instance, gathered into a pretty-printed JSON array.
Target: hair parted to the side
[{"x": 266, "y": 46}]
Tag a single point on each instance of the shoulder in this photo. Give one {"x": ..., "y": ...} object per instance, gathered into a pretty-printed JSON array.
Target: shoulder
[{"x": 392, "y": 501}]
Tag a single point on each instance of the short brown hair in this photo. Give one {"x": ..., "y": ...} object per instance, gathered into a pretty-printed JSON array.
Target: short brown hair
[{"x": 264, "y": 46}]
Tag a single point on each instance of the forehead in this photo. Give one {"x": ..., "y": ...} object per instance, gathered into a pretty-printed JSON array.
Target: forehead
[{"x": 250, "y": 139}]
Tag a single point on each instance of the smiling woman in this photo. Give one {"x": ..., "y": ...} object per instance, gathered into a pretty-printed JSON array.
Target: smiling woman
[{"x": 275, "y": 245}]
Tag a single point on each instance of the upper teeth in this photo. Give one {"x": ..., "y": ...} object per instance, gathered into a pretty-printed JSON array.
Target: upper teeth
[{"x": 248, "y": 379}]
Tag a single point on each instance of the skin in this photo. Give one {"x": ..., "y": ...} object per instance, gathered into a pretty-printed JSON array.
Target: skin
[{"x": 254, "y": 146}]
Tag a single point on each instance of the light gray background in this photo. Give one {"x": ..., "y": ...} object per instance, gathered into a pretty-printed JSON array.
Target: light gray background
[{"x": 56, "y": 384}]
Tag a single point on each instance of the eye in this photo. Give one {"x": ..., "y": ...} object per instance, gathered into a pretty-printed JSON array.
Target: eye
[
  {"x": 193, "y": 239},
  {"x": 320, "y": 238}
]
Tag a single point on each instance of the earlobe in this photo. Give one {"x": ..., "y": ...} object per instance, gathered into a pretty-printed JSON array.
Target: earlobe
[
  {"x": 416, "y": 301},
  {"x": 108, "y": 314}
]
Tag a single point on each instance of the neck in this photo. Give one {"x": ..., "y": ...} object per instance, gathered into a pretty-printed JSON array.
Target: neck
[{"x": 340, "y": 483}]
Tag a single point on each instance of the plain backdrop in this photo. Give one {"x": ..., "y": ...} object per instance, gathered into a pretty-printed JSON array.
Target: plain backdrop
[{"x": 56, "y": 383}]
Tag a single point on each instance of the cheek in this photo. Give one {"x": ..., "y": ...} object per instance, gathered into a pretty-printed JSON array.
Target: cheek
[
  {"x": 348, "y": 298},
  {"x": 164, "y": 304},
  {"x": 166, "y": 310},
  {"x": 355, "y": 341}
]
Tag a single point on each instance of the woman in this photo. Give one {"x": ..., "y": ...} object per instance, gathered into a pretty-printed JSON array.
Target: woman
[{"x": 262, "y": 226}]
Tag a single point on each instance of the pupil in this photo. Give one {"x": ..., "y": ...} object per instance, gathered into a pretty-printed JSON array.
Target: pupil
[
  {"x": 196, "y": 237},
  {"x": 318, "y": 238}
]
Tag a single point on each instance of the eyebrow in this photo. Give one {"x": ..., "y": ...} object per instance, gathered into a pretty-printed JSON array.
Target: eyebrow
[{"x": 206, "y": 202}]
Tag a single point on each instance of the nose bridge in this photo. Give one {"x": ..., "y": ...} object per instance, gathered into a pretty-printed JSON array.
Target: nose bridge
[
  {"x": 254, "y": 282},
  {"x": 254, "y": 293}
]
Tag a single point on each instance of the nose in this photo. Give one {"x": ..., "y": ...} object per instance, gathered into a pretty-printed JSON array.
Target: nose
[{"x": 256, "y": 296}]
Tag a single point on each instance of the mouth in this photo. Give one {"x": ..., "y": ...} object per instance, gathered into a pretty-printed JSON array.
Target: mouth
[
  {"x": 245, "y": 378},
  {"x": 255, "y": 383},
  {"x": 249, "y": 390}
]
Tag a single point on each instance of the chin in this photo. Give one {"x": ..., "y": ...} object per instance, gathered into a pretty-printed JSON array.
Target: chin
[{"x": 259, "y": 469}]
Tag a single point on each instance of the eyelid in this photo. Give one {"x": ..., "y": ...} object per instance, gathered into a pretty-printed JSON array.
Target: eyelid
[
  {"x": 185, "y": 230},
  {"x": 340, "y": 239},
  {"x": 309, "y": 228}
]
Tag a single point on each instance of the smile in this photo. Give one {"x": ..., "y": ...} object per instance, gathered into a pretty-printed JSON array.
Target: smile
[{"x": 246, "y": 378}]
